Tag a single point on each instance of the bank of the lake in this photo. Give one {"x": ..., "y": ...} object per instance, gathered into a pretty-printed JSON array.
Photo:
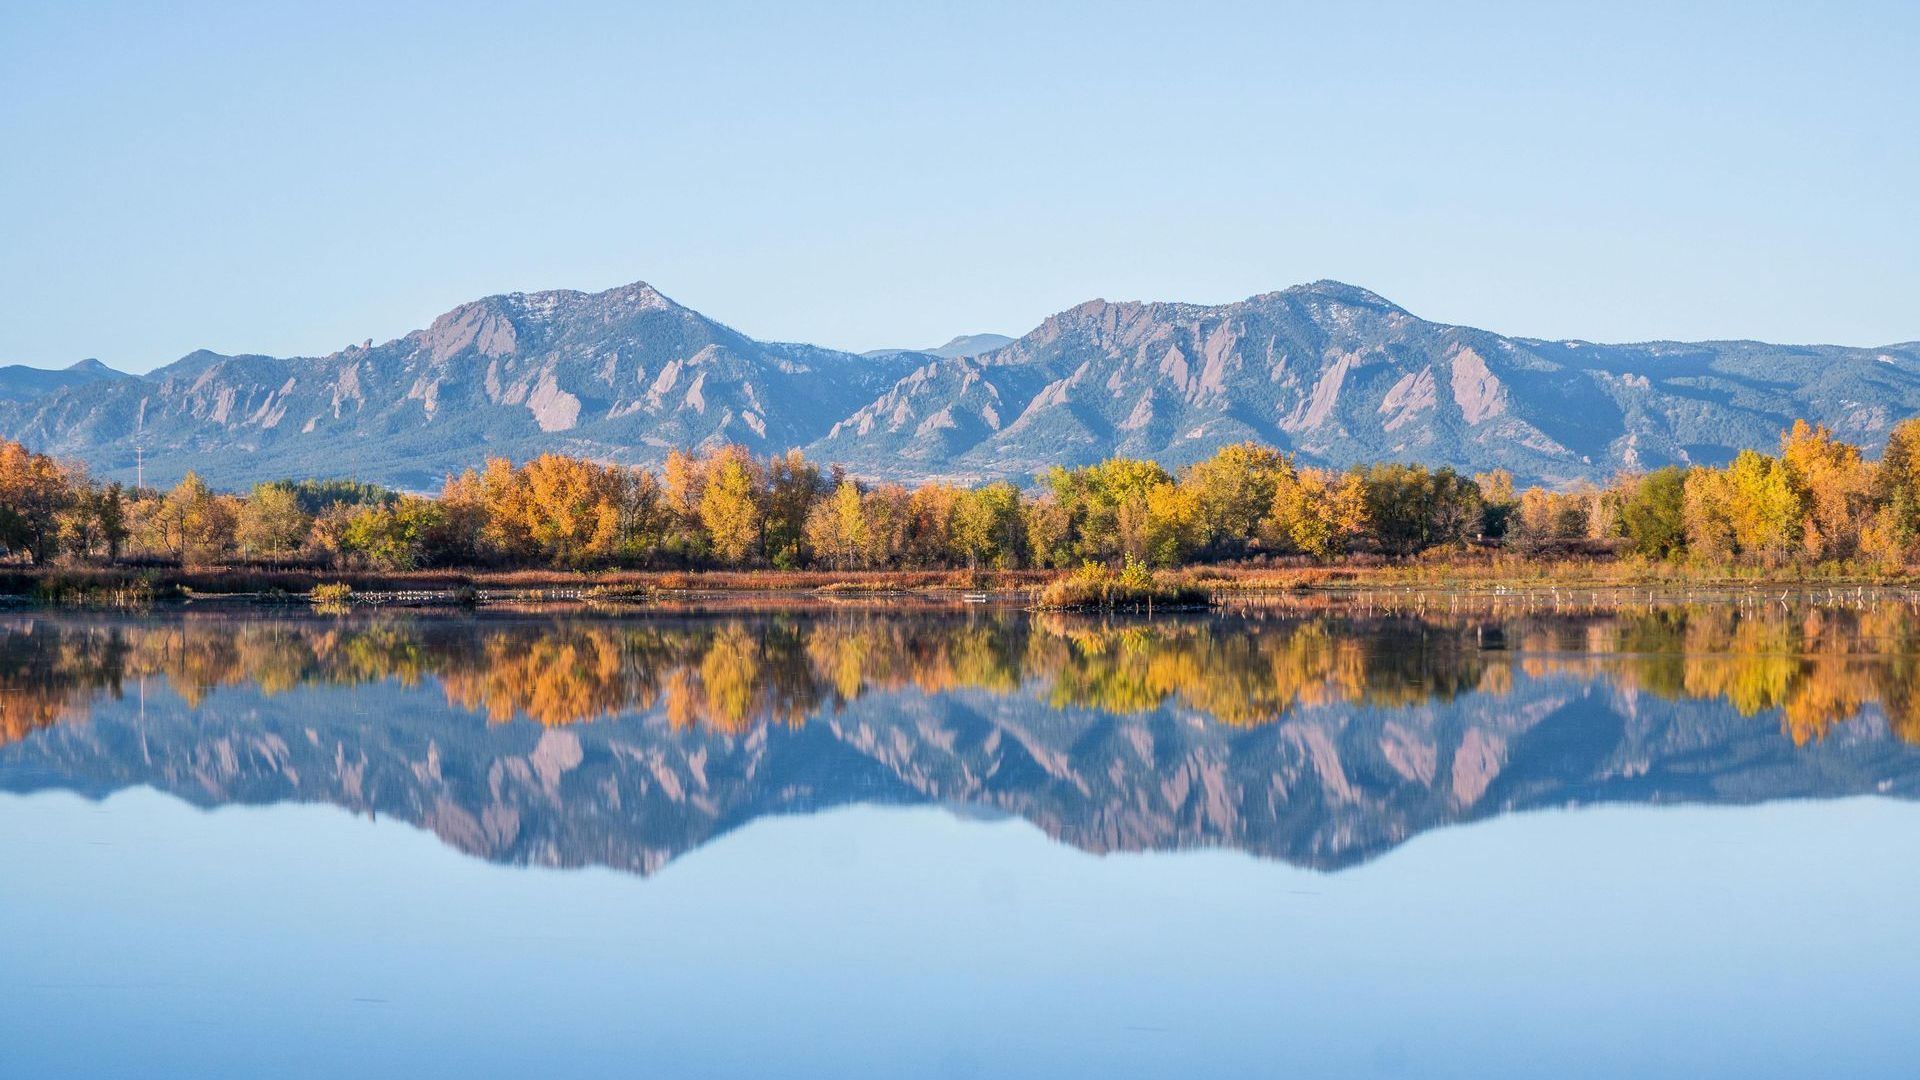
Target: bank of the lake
[{"x": 1411, "y": 582}]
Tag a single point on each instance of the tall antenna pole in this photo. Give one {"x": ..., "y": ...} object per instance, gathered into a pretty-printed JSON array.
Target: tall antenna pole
[{"x": 140, "y": 447}]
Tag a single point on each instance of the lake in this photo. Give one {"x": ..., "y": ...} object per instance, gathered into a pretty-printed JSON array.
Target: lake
[{"x": 1353, "y": 838}]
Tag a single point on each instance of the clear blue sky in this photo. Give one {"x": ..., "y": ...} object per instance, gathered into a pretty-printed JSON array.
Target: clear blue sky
[{"x": 262, "y": 178}]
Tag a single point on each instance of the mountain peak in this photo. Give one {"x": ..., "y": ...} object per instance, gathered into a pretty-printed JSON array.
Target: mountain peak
[
  {"x": 548, "y": 303},
  {"x": 636, "y": 295},
  {"x": 965, "y": 345},
  {"x": 1342, "y": 293}
]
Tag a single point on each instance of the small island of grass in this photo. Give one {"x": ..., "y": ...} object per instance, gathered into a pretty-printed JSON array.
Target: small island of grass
[{"x": 1094, "y": 587}]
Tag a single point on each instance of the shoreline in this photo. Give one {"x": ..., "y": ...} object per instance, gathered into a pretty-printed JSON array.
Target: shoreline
[{"x": 1388, "y": 587}]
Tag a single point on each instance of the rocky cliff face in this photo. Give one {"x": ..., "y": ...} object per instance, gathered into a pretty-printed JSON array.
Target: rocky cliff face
[
  {"x": 1342, "y": 376},
  {"x": 623, "y": 375},
  {"x": 1335, "y": 373}
]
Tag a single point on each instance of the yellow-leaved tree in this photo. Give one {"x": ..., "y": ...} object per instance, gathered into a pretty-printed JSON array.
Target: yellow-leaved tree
[{"x": 730, "y": 504}]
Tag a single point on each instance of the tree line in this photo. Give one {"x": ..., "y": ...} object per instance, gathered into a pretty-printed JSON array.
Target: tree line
[{"x": 1819, "y": 500}]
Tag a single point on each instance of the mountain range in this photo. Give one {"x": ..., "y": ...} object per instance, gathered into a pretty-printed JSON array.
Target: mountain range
[{"x": 1334, "y": 373}]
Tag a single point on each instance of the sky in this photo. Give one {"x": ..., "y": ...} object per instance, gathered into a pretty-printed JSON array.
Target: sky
[{"x": 289, "y": 180}]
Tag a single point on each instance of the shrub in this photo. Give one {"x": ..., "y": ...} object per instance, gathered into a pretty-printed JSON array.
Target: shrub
[{"x": 331, "y": 597}]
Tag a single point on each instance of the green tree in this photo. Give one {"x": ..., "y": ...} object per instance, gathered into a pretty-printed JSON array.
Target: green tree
[
  {"x": 393, "y": 536},
  {"x": 1654, "y": 514},
  {"x": 1410, "y": 508},
  {"x": 272, "y": 522},
  {"x": 110, "y": 518},
  {"x": 987, "y": 526},
  {"x": 792, "y": 485},
  {"x": 1897, "y": 481},
  {"x": 1233, "y": 493}
]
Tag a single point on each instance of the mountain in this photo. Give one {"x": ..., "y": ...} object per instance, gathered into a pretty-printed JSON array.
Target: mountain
[
  {"x": 1335, "y": 373},
  {"x": 971, "y": 345},
  {"x": 20, "y": 383},
  {"x": 1342, "y": 376},
  {"x": 623, "y": 375},
  {"x": 959, "y": 347}
]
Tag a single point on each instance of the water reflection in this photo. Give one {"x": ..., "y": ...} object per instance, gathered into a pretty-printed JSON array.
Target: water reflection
[{"x": 1319, "y": 737}]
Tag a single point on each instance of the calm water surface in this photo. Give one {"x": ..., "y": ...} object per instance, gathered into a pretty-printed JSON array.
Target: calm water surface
[{"x": 1672, "y": 841}]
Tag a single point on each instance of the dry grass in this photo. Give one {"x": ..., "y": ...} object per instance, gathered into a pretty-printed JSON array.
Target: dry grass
[
  {"x": 293, "y": 582},
  {"x": 134, "y": 585},
  {"x": 1095, "y": 588},
  {"x": 1499, "y": 568}
]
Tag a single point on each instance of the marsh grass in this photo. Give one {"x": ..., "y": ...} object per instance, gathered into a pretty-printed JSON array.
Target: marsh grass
[
  {"x": 138, "y": 586},
  {"x": 1132, "y": 588}
]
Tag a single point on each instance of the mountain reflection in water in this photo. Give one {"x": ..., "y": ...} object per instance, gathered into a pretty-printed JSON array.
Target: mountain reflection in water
[{"x": 1318, "y": 738}]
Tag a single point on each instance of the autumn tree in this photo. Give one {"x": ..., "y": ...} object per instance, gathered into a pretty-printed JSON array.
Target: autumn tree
[
  {"x": 1836, "y": 486},
  {"x": 928, "y": 537},
  {"x": 987, "y": 526},
  {"x": 1233, "y": 493},
  {"x": 192, "y": 523},
  {"x": 730, "y": 504},
  {"x": 571, "y": 510},
  {"x": 1109, "y": 507},
  {"x": 888, "y": 514},
  {"x": 1498, "y": 502},
  {"x": 792, "y": 485},
  {"x": 1174, "y": 529},
  {"x": 94, "y": 518},
  {"x": 1707, "y": 511},
  {"x": 1049, "y": 532},
  {"x": 1316, "y": 512},
  {"x": 34, "y": 492},
  {"x": 836, "y": 527},
  {"x": 462, "y": 537},
  {"x": 1541, "y": 518},
  {"x": 1765, "y": 506},
  {"x": 392, "y": 536},
  {"x": 271, "y": 522},
  {"x": 1897, "y": 488},
  {"x": 1410, "y": 508}
]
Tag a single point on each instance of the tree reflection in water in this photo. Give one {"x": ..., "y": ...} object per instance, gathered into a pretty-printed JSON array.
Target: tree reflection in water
[
  {"x": 1320, "y": 737},
  {"x": 1813, "y": 667}
]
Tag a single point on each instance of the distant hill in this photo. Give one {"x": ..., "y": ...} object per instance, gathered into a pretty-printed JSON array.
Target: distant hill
[
  {"x": 1335, "y": 373},
  {"x": 971, "y": 345},
  {"x": 20, "y": 383},
  {"x": 962, "y": 346}
]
